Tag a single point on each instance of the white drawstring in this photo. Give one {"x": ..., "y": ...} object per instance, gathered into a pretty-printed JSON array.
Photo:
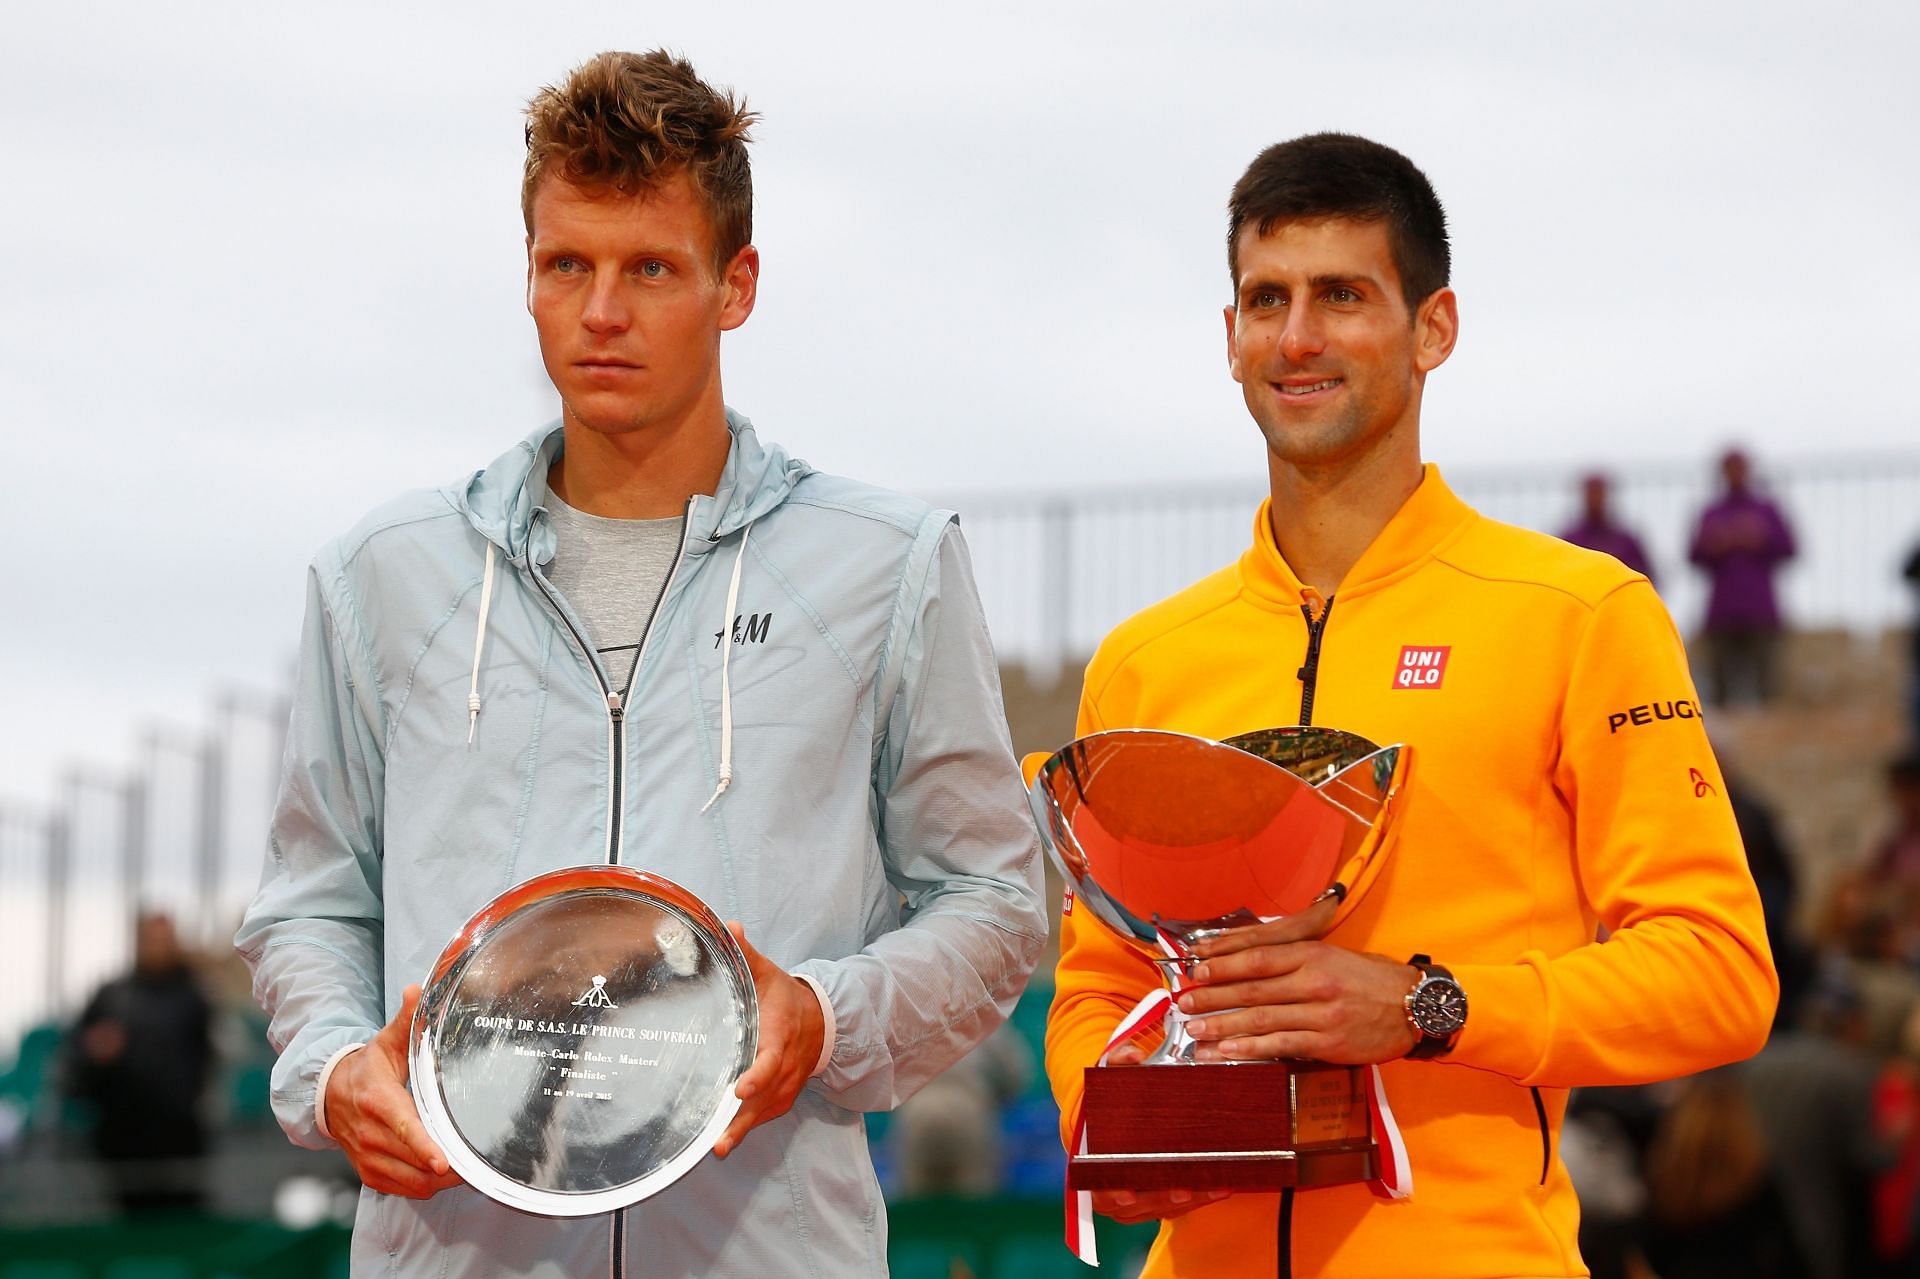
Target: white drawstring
[
  {"x": 479, "y": 642},
  {"x": 726, "y": 684}
]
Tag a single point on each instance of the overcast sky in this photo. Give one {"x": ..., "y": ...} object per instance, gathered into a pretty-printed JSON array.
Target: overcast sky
[{"x": 263, "y": 265}]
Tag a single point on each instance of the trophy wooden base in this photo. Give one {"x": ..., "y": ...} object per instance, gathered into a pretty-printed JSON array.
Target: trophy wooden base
[{"x": 1252, "y": 1126}]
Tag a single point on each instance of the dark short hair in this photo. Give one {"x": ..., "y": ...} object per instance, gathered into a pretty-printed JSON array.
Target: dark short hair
[
  {"x": 1339, "y": 175},
  {"x": 623, "y": 122}
]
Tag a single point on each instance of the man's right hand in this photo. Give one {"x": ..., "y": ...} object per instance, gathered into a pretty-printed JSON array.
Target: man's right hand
[
  {"x": 1130, "y": 1206},
  {"x": 372, "y": 1115}
]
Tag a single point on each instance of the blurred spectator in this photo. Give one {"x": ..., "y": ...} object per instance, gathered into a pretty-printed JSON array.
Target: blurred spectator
[
  {"x": 948, "y": 1133},
  {"x": 1896, "y": 862},
  {"x": 1714, "y": 1205},
  {"x": 1876, "y": 970},
  {"x": 1896, "y": 1195},
  {"x": 1812, "y": 1091},
  {"x": 1740, "y": 541},
  {"x": 1912, "y": 573},
  {"x": 1773, "y": 875},
  {"x": 141, "y": 1054},
  {"x": 1597, "y": 532},
  {"x": 1603, "y": 1144}
]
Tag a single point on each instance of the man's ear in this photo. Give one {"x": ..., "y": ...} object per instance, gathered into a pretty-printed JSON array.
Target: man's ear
[
  {"x": 1436, "y": 327},
  {"x": 529, "y": 275},
  {"x": 742, "y": 281},
  {"x": 1233, "y": 348}
]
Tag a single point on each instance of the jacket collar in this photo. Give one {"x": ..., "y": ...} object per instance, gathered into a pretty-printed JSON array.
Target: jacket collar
[
  {"x": 1425, "y": 523},
  {"x": 500, "y": 501}
]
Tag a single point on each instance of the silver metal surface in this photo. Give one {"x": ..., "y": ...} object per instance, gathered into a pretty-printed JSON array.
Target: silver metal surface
[
  {"x": 576, "y": 1047},
  {"x": 1171, "y": 837}
]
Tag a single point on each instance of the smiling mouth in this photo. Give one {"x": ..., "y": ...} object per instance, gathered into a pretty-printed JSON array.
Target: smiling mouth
[{"x": 1308, "y": 388}]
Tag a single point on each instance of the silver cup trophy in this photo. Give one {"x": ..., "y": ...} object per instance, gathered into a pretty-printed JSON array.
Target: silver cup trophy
[
  {"x": 1166, "y": 839},
  {"x": 576, "y": 1047}
]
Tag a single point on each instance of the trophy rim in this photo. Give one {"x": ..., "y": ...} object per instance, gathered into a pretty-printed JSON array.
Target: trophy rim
[
  {"x": 1044, "y": 805},
  {"x": 423, "y": 1035}
]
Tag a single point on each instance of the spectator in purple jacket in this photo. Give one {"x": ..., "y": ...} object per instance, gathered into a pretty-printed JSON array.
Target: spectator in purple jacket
[
  {"x": 1741, "y": 541},
  {"x": 1597, "y": 532}
]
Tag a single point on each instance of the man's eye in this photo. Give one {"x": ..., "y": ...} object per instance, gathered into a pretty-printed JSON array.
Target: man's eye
[
  {"x": 566, "y": 266},
  {"x": 1343, "y": 296},
  {"x": 1267, "y": 299},
  {"x": 653, "y": 268}
]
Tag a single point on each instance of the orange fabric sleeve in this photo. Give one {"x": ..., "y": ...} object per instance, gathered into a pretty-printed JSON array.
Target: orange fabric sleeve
[
  {"x": 1098, "y": 981},
  {"x": 1685, "y": 980}
]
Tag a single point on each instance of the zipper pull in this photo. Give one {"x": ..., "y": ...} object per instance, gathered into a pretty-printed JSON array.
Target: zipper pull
[{"x": 614, "y": 710}]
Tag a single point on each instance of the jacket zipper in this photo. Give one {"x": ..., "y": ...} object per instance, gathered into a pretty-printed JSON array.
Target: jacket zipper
[
  {"x": 616, "y": 706},
  {"x": 1309, "y": 673},
  {"x": 617, "y": 766}
]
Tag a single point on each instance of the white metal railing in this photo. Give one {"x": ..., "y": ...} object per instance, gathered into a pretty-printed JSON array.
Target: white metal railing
[{"x": 1057, "y": 571}]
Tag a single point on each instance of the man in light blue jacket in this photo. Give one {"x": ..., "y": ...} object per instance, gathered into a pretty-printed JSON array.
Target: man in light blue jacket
[{"x": 645, "y": 636}]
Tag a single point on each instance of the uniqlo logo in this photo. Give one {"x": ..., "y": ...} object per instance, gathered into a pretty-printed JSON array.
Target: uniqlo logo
[
  {"x": 1066, "y": 907},
  {"x": 1421, "y": 667}
]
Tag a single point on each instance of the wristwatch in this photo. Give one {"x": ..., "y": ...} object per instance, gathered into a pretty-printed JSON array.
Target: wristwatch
[{"x": 1436, "y": 1009}]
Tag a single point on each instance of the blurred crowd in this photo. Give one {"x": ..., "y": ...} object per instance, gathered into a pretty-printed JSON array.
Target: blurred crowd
[
  {"x": 1804, "y": 1161},
  {"x": 1740, "y": 540}
]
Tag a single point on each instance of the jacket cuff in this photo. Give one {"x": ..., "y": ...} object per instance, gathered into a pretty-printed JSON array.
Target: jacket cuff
[
  {"x": 827, "y": 1025},
  {"x": 320, "y": 1088},
  {"x": 1506, "y": 1031}
]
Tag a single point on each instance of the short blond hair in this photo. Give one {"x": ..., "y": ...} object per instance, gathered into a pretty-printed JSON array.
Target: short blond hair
[{"x": 625, "y": 122}]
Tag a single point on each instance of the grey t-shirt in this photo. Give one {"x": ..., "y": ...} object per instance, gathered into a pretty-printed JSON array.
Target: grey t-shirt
[{"x": 611, "y": 573}]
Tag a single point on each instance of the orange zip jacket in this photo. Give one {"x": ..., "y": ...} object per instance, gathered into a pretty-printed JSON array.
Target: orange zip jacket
[{"x": 1562, "y": 781}]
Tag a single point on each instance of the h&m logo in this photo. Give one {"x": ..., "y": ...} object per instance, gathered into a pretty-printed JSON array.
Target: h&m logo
[
  {"x": 1421, "y": 666},
  {"x": 747, "y": 629}
]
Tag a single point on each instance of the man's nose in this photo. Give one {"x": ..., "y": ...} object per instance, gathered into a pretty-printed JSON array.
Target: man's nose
[
  {"x": 606, "y": 310},
  {"x": 1304, "y": 337}
]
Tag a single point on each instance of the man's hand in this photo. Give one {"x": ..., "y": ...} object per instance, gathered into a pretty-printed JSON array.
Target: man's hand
[
  {"x": 1148, "y": 1205},
  {"x": 372, "y": 1115},
  {"x": 1293, "y": 997},
  {"x": 791, "y": 1032}
]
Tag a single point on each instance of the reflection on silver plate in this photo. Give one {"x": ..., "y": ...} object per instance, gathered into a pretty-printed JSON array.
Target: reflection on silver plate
[{"x": 576, "y": 1047}]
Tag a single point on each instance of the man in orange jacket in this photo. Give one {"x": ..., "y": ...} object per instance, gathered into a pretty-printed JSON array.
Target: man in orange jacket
[{"x": 1563, "y": 789}]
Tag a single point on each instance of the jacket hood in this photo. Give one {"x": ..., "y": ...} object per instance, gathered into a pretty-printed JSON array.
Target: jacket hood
[{"x": 500, "y": 501}]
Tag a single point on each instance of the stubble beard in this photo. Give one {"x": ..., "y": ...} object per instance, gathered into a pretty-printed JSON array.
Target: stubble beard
[
  {"x": 1366, "y": 420},
  {"x": 1313, "y": 443}
]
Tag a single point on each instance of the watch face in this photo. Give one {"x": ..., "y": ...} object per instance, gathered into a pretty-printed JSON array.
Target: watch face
[{"x": 1440, "y": 1007}]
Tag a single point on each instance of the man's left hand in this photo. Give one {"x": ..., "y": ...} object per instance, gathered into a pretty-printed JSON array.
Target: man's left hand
[
  {"x": 1303, "y": 999},
  {"x": 792, "y": 1030}
]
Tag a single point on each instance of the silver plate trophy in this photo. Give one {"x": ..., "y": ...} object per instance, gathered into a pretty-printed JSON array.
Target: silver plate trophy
[
  {"x": 576, "y": 1047},
  {"x": 1166, "y": 839}
]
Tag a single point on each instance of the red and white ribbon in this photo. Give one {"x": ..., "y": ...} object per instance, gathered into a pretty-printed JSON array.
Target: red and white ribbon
[
  {"x": 1396, "y": 1173},
  {"x": 1143, "y": 1018}
]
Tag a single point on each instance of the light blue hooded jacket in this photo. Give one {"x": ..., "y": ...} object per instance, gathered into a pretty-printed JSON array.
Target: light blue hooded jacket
[{"x": 874, "y": 837}]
